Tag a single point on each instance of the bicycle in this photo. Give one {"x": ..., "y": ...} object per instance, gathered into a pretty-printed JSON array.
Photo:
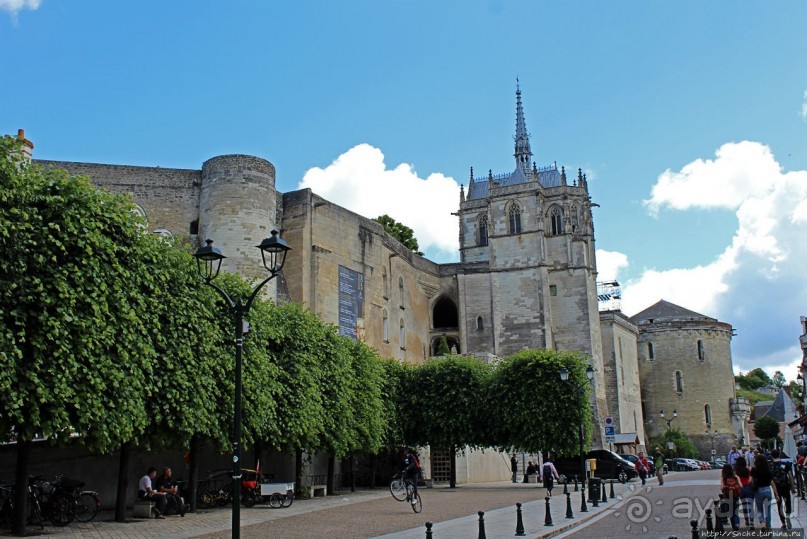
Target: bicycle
[{"x": 403, "y": 489}]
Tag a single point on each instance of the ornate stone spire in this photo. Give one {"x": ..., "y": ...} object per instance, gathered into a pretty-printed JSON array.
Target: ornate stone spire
[{"x": 523, "y": 153}]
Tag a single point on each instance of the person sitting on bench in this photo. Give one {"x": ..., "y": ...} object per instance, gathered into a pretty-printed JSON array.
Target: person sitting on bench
[{"x": 145, "y": 491}]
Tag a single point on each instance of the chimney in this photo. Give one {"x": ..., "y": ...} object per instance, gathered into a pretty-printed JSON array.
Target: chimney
[{"x": 27, "y": 145}]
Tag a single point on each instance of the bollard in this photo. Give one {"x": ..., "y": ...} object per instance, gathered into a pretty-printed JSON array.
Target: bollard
[
  {"x": 565, "y": 484},
  {"x": 719, "y": 514},
  {"x": 548, "y": 519},
  {"x": 696, "y": 533},
  {"x": 569, "y": 513},
  {"x": 482, "y": 525},
  {"x": 428, "y": 530},
  {"x": 604, "y": 497},
  {"x": 709, "y": 527},
  {"x": 519, "y": 521},
  {"x": 594, "y": 495},
  {"x": 583, "y": 508},
  {"x": 575, "y": 483},
  {"x": 612, "y": 490}
]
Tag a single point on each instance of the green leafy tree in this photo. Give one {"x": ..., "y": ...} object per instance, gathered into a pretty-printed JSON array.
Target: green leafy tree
[
  {"x": 796, "y": 392},
  {"x": 766, "y": 428},
  {"x": 448, "y": 404},
  {"x": 400, "y": 232},
  {"x": 442, "y": 347},
  {"x": 753, "y": 380},
  {"x": 85, "y": 338},
  {"x": 779, "y": 379},
  {"x": 682, "y": 445},
  {"x": 533, "y": 410}
]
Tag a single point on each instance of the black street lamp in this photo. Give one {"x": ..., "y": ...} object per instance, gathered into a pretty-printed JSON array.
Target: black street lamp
[
  {"x": 564, "y": 376},
  {"x": 208, "y": 259},
  {"x": 711, "y": 434},
  {"x": 675, "y": 414}
]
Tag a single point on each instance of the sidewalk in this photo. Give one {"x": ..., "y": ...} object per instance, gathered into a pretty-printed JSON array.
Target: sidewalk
[{"x": 501, "y": 523}]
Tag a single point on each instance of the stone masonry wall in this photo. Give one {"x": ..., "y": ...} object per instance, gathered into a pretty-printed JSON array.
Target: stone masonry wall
[
  {"x": 703, "y": 382},
  {"x": 170, "y": 197}
]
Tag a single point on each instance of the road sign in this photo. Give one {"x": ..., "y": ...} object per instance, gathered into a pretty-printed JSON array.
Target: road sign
[
  {"x": 609, "y": 421},
  {"x": 714, "y": 452},
  {"x": 610, "y": 430},
  {"x": 610, "y": 439}
]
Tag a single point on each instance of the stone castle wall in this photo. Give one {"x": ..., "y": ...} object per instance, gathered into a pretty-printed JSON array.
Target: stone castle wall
[
  {"x": 704, "y": 381},
  {"x": 621, "y": 373}
]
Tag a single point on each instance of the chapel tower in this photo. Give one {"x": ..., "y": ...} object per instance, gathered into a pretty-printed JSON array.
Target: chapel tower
[{"x": 528, "y": 271}]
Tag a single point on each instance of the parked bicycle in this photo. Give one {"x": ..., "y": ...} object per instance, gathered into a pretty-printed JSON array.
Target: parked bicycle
[
  {"x": 403, "y": 490},
  {"x": 85, "y": 502},
  {"x": 7, "y": 510},
  {"x": 55, "y": 498}
]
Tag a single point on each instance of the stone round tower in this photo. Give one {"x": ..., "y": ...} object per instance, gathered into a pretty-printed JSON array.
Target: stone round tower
[
  {"x": 685, "y": 366},
  {"x": 237, "y": 210}
]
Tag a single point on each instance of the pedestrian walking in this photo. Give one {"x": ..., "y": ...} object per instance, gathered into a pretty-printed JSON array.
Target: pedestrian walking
[
  {"x": 549, "y": 474},
  {"x": 746, "y": 494},
  {"x": 731, "y": 488},
  {"x": 514, "y": 467},
  {"x": 643, "y": 467},
  {"x": 659, "y": 463},
  {"x": 765, "y": 490}
]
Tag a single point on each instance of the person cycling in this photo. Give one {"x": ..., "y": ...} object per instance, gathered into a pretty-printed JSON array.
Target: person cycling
[{"x": 411, "y": 471}]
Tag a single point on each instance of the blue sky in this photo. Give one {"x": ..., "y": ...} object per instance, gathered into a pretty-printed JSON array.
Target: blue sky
[{"x": 689, "y": 118}]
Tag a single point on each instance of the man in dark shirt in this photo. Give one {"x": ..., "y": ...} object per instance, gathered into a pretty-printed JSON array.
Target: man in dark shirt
[
  {"x": 514, "y": 467},
  {"x": 168, "y": 486}
]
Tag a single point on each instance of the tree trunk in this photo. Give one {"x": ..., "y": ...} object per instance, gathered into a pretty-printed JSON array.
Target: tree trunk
[
  {"x": 373, "y": 469},
  {"x": 453, "y": 480},
  {"x": 331, "y": 469},
  {"x": 298, "y": 469},
  {"x": 352, "y": 473},
  {"x": 21, "y": 488},
  {"x": 193, "y": 471},
  {"x": 123, "y": 481}
]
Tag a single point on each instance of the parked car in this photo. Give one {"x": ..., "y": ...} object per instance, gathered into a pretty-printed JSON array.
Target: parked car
[
  {"x": 634, "y": 458},
  {"x": 683, "y": 465},
  {"x": 609, "y": 465}
]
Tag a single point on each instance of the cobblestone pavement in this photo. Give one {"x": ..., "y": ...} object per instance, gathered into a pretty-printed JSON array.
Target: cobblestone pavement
[{"x": 374, "y": 513}]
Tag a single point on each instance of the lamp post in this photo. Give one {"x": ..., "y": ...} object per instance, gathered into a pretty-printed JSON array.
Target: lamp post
[
  {"x": 564, "y": 376},
  {"x": 208, "y": 260},
  {"x": 675, "y": 414},
  {"x": 711, "y": 434}
]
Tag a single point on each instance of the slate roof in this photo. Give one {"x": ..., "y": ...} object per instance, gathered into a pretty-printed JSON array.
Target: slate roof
[
  {"x": 547, "y": 178},
  {"x": 782, "y": 410},
  {"x": 666, "y": 311}
]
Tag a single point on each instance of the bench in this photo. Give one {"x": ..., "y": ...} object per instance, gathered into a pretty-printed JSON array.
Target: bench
[
  {"x": 321, "y": 489},
  {"x": 143, "y": 509}
]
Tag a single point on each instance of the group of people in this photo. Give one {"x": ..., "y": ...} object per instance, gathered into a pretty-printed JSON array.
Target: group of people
[
  {"x": 164, "y": 492},
  {"x": 752, "y": 479},
  {"x": 548, "y": 474}
]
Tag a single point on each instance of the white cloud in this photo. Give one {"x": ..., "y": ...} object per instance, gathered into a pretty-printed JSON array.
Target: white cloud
[
  {"x": 739, "y": 171},
  {"x": 609, "y": 263},
  {"x": 360, "y": 181},
  {"x": 804, "y": 106},
  {"x": 756, "y": 284},
  {"x": 13, "y": 6}
]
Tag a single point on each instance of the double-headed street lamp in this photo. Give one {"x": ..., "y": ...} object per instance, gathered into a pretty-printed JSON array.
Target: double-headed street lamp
[
  {"x": 675, "y": 414},
  {"x": 564, "y": 376},
  {"x": 208, "y": 259}
]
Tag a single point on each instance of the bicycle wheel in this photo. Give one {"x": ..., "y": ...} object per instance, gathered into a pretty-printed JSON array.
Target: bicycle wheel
[
  {"x": 398, "y": 488},
  {"x": 35, "y": 512},
  {"x": 62, "y": 510},
  {"x": 288, "y": 499},
  {"x": 86, "y": 506},
  {"x": 206, "y": 500},
  {"x": 417, "y": 503},
  {"x": 275, "y": 501}
]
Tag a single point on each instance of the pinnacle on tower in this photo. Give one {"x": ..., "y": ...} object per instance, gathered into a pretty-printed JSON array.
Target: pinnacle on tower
[{"x": 523, "y": 154}]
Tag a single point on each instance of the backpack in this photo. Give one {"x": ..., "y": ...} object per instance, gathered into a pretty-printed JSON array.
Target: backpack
[
  {"x": 414, "y": 459},
  {"x": 547, "y": 472},
  {"x": 731, "y": 488},
  {"x": 780, "y": 476}
]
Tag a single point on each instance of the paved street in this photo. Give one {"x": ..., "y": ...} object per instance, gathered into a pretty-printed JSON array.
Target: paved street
[{"x": 652, "y": 511}]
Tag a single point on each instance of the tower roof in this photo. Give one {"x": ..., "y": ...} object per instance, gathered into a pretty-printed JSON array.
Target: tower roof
[
  {"x": 523, "y": 154},
  {"x": 782, "y": 409},
  {"x": 525, "y": 170},
  {"x": 665, "y": 311}
]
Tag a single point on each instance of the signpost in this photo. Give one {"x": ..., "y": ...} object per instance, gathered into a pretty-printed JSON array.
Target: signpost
[{"x": 610, "y": 431}]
